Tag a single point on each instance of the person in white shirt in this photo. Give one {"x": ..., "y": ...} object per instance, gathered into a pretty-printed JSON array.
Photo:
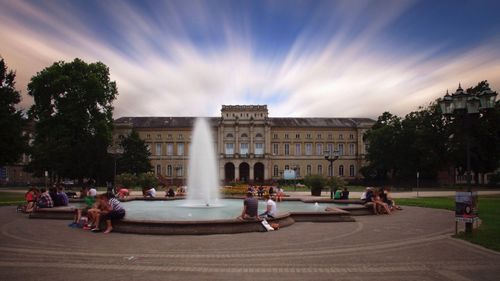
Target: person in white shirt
[
  {"x": 270, "y": 208},
  {"x": 92, "y": 192}
]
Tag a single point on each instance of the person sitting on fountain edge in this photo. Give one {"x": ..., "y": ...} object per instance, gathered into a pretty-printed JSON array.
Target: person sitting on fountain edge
[
  {"x": 270, "y": 207},
  {"x": 250, "y": 208}
]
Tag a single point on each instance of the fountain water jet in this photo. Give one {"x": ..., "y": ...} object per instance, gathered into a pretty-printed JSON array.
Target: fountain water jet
[{"x": 203, "y": 181}]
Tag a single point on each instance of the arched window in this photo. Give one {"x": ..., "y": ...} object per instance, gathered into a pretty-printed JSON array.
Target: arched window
[
  {"x": 244, "y": 135},
  {"x": 320, "y": 169},
  {"x": 258, "y": 135},
  {"x": 275, "y": 170},
  {"x": 229, "y": 136},
  {"x": 169, "y": 170},
  {"x": 341, "y": 170},
  {"x": 158, "y": 169},
  {"x": 308, "y": 170},
  {"x": 351, "y": 171}
]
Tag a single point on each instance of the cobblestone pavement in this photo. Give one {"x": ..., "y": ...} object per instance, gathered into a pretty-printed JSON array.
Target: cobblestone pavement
[{"x": 413, "y": 244}]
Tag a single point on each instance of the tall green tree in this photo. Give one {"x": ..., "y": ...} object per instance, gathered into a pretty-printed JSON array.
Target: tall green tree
[
  {"x": 12, "y": 123},
  {"x": 73, "y": 113},
  {"x": 135, "y": 158},
  {"x": 483, "y": 130}
]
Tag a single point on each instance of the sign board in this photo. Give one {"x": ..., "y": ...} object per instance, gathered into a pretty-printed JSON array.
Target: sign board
[
  {"x": 466, "y": 207},
  {"x": 289, "y": 175}
]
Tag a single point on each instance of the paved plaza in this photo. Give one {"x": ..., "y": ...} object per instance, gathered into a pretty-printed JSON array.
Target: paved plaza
[{"x": 413, "y": 244}]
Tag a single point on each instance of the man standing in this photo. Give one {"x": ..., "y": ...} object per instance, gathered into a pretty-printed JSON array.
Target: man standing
[{"x": 250, "y": 208}]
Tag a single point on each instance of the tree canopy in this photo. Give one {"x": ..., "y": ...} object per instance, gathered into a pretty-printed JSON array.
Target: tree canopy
[
  {"x": 73, "y": 114},
  {"x": 12, "y": 140},
  {"x": 135, "y": 158},
  {"x": 425, "y": 141}
]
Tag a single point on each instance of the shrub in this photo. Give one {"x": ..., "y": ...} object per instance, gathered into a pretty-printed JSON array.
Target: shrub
[
  {"x": 147, "y": 180},
  {"x": 336, "y": 182},
  {"x": 316, "y": 183},
  {"x": 126, "y": 179}
]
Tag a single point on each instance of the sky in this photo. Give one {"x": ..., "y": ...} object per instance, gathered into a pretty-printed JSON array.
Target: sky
[{"x": 352, "y": 58}]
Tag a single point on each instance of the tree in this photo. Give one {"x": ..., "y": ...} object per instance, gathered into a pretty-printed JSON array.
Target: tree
[
  {"x": 483, "y": 130},
  {"x": 73, "y": 114},
  {"x": 384, "y": 149},
  {"x": 135, "y": 159},
  {"x": 12, "y": 140}
]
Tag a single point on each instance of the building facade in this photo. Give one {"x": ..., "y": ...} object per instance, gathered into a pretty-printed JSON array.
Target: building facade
[{"x": 251, "y": 146}]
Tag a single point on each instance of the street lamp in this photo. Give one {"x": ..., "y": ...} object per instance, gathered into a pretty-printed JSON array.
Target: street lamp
[
  {"x": 331, "y": 156},
  {"x": 462, "y": 103},
  {"x": 116, "y": 151}
]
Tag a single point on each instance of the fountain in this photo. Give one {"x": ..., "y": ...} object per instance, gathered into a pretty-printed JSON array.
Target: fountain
[{"x": 203, "y": 182}]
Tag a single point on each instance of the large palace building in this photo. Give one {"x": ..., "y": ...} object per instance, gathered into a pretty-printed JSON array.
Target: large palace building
[{"x": 251, "y": 146}]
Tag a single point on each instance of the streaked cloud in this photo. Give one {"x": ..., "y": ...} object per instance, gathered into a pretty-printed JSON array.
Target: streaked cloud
[{"x": 178, "y": 58}]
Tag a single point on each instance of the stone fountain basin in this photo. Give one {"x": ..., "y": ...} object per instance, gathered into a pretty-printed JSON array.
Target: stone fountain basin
[{"x": 168, "y": 217}]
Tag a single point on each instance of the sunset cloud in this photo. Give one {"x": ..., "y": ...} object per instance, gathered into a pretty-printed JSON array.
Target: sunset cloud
[{"x": 186, "y": 58}]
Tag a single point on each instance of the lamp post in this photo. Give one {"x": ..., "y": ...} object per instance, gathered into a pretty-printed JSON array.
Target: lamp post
[
  {"x": 116, "y": 151},
  {"x": 462, "y": 103},
  {"x": 331, "y": 156}
]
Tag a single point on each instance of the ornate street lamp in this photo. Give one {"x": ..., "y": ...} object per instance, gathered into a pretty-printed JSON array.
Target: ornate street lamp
[
  {"x": 331, "y": 156},
  {"x": 465, "y": 104},
  {"x": 116, "y": 151}
]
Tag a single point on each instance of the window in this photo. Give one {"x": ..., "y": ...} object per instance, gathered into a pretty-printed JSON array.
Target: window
[
  {"x": 351, "y": 136},
  {"x": 229, "y": 148},
  {"x": 244, "y": 148},
  {"x": 341, "y": 170},
  {"x": 180, "y": 171},
  {"x": 275, "y": 136},
  {"x": 319, "y": 149},
  {"x": 180, "y": 149},
  {"x": 169, "y": 136},
  {"x": 229, "y": 136},
  {"x": 308, "y": 136},
  {"x": 320, "y": 170},
  {"x": 170, "y": 149},
  {"x": 158, "y": 169},
  {"x": 297, "y": 136},
  {"x": 275, "y": 149},
  {"x": 330, "y": 136},
  {"x": 309, "y": 148},
  {"x": 158, "y": 149},
  {"x": 169, "y": 170},
  {"x": 308, "y": 170},
  {"x": 258, "y": 135},
  {"x": 287, "y": 149},
  {"x": 341, "y": 149},
  {"x": 329, "y": 147},
  {"x": 244, "y": 136},
  {"x": 330, "y": 170},
  {"x": 318, "y": 136},
  {"x": 148, "y": 136},
  {"x": 352, "y": 150},
  {"x": 180, "y": 137},
  {"x": 286, "y": 136},
  {"x": 297, "y": 149},
  {"x": 158, "y": 136},
  {"x": 341, "y": 137},
  {"x": 275, "y": 170},
  {"x": 351, "y": 171},
  {"x": 259, "y": 148}
]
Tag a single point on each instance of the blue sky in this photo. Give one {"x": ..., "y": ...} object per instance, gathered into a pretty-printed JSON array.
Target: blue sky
[{"x": 302, "y": 58}]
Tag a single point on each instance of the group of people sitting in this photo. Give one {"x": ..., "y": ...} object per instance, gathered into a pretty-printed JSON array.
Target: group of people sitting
[
  {"x": 274, "y": 192},
  {"x": 380, "y": 200},
  {"x": 251, "y": 208},
  {"x": 104, "y": 207},
  {"x": 43, "y": 198}
]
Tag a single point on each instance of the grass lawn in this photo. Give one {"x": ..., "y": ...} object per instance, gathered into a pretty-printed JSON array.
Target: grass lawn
[
  {"x": 486, "y": 235},
  {"x": 11, "y": 198}
]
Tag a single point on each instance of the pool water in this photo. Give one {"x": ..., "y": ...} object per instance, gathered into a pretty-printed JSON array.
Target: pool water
[{"x": 174, "y": 210}]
